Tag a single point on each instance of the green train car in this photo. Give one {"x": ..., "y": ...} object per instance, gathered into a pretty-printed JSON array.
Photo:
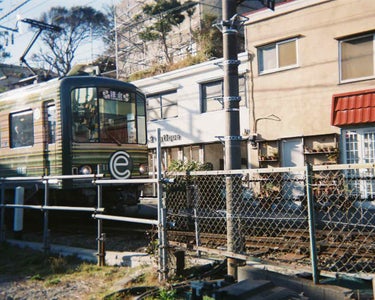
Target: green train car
[{"x": 79, "y": 124}]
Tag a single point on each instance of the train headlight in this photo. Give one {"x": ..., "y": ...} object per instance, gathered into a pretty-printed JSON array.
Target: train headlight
[
  {"x": 143, "y": 169},
  {"x": 85, "y": 170}
]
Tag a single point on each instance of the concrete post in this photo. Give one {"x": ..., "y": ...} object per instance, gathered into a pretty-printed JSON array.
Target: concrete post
[
  {"x": 311, "y": 214},
  {"x": 231, "y": 106},
  {"x": 2, "y": 214},
  {"x": 46, "y": 233},
  {"x": 162, "y": 217},
  {"x": 18, "y": 212}
]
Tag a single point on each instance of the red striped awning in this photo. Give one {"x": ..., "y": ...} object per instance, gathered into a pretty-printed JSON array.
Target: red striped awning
[{"x": 353, "y": 108}]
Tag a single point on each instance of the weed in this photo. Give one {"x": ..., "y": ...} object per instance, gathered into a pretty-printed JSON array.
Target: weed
[
  {"x": 167, "y": 294},
  {"x": 54, "y": 281},
  {"x": 37, "y": 277},
  {"x": 58, "y": 264}
]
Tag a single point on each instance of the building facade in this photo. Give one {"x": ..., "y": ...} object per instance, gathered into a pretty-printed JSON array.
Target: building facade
[
  {"x": 313, "y": 76},
  {"x": 187, "y": 106},
  {"x": 307, "y": 88}
]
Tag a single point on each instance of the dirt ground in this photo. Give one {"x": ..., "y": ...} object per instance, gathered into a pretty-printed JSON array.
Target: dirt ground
[{"x": 28, "y": 274}]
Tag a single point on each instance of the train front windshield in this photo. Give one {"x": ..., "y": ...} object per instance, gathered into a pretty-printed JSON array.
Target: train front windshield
[{"x": 108, "y": 115}]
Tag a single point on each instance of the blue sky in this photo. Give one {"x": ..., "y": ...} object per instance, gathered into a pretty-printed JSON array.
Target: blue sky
[{"x": 32, "y": 9}]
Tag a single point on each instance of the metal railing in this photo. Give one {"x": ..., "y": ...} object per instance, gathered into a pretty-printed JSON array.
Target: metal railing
[
  {"x": 97, "y": 211},
  {"x": 44, "y": 181}
]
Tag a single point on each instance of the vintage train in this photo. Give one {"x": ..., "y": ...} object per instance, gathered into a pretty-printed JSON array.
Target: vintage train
[{"x": 77, "y": 124}]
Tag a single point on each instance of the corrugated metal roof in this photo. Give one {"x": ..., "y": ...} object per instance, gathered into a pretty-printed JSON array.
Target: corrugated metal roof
[{"x": 353, "y": 108}]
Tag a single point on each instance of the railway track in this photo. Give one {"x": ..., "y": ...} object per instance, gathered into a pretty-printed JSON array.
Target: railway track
[{"x": 296, "y": 243}]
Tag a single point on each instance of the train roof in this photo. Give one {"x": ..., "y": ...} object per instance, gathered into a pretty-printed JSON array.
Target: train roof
[
  {"x": 69, "y": 80},
  {"x": 29, "y": 87}
]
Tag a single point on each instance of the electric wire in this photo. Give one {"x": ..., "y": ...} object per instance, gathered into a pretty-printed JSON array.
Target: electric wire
[{"x": 31, "y": 9}]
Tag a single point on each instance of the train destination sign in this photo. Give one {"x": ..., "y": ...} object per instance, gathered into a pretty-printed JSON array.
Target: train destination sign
[{"x": 115, "y": 95}]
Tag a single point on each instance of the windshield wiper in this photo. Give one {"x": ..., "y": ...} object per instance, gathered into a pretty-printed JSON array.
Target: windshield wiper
[{"x": 112, "y": 137}]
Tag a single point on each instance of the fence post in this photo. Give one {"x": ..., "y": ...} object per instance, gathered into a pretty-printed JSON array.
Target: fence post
[
  {"x": 100, "y": 235},
  {"x": 311, "y": 219},
  {"x": 18, "y": 212},
  {"x": 162, "y": 218},
  {"x": 46, "y": 243},
  {"x": 193, "y": 202},
  {"x": 197, "y": 236},
  {"x": 2, "y": 214}
]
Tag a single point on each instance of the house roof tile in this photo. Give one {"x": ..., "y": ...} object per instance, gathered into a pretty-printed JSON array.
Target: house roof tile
[{"x": 353, "y": 108}]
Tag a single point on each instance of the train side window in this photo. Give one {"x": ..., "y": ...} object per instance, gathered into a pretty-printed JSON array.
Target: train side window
[
  {"x": 21, "y": 129},
  {"x": 50, "y": 122},
  {"x": 85, "y": 115},
  {"x": 141, "y": 120}
]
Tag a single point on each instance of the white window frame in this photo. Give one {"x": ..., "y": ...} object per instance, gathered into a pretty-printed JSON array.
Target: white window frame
[
  {"x": 242, "y": 89},
  {"x": 340, "y": 59},
  {"x": 354, "y": 152},
  {"x": 277, "y": 68},
  {"x": 161, "y": 107},
  {"x": 358, "y": 154}
]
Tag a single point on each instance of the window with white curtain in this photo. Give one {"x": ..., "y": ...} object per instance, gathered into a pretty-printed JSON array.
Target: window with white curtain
[
  {"x": 278, "y": 56},
  {"x": 357, "y": 58}
]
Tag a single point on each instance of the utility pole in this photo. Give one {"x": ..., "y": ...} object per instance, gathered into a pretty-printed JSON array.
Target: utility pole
[
  {"x": 232, "y": 123},
  {"x": 116, "y": 38},
  {"x": 231, "y": 24}
]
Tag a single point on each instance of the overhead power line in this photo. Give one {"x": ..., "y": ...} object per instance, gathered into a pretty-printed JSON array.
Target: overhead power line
[{"x": 13, "y": 10}]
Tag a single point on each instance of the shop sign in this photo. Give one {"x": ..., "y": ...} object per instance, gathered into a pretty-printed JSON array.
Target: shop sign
[{"x": 165, "y": 138}]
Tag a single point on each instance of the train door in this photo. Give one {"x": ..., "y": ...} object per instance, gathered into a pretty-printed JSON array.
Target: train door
[
  {"x": 292, "y": 156},
  {"x": 49, "y": 137}
]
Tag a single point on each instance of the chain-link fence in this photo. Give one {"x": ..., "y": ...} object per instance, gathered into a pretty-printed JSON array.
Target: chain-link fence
[{"x": 265, "y": 213}]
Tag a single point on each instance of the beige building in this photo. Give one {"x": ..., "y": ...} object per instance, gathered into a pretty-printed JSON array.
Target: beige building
[{"x": 312, "y": 88}]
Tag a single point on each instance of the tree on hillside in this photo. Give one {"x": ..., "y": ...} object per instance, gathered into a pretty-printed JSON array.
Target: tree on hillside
[
  {"x": 209, "y": 38},
  {"x": 79, "y": 24},
  {"x": 106, "y": 64},
  {"x": 107, "y": 60},
  {"x": 165, "y": 14},
  {"x": 109, "y": 38}
]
